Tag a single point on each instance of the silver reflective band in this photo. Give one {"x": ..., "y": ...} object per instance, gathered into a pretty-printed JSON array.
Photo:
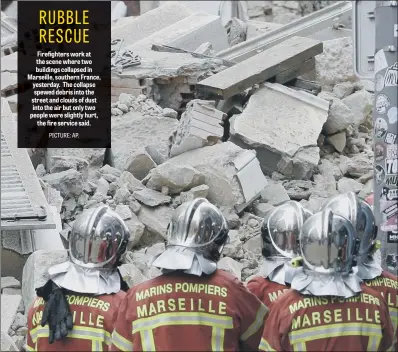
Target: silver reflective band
[{"x": 259, "y": 320}]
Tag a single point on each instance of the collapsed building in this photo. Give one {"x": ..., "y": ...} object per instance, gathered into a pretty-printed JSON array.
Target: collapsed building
[{"x": 246, "y": 114}]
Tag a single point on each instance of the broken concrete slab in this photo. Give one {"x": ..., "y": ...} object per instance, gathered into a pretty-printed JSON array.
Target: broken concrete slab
[
  {"x": 188, "y": 34},
  {"x": 177, "y": 178},
  {"x": 9, "y": 81},
  {"x": 254, "y": 245},
  {"x": 134, "y": 29},
  {"x": 94, "y": 157},
  {"x": 131, "y": 274},
  {"x": 107, "y": 169},
  {"x": 133, "y": 131},
  {"x": 156, "y": 219},
  {"x": 35, "y": 272},
  {"x": 140, "y": 163},
  {"x": 293, "y": 137},
  {"x": 69, "y": 183},
  {"x": 274, "y": 194},
  {"x": 262, "y": 209},
  {"x": 151, "y": 198},
  {"x": 257, "y": 28},
  {"x": 260, "y": 67},
  {"x": 199, "y": 126},
  {"x": 9, "y": 309},
  {"x": 195, "y": 192},
  {"x": 124, "y": 211},
  {"x": 5, "y": 108},
  {"x": 236, "y": 30}
]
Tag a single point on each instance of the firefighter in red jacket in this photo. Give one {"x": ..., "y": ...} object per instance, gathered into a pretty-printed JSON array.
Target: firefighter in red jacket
[
  {"x": 361, "y": 215},
  {"x": 76, "y": 309},
  {"x": 279, "y": 232},
  {"x": 192, "y": 306},
  {"x": 327, "y": 308}
]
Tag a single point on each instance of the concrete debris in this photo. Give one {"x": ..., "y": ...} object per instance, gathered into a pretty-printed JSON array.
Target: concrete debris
[
  {"x": 188, "y": 34},
  {"x": 345, "y": 185},
  {"x": 205, "y": 49},
  {"x": 231, "y": 266},
  {"x": 136, "y": 230},
  {"x": 335, "y": 64},
  {"x": 298, "y": 189},
  {"x": 155, "y": 220},
  {"x": 35, "y": 272},
  {"x": 195, "y": 192},
  {"x": 167, "y": 112},
  {"x": 151, "y": 198},
  {"x": 344, "y": 89},
  {"x": 200, "y": 126},
  {"x": 277, "y": 149},
  {"x": 93, "y": 156},
  {"x": 124, "y": 211},
  {"x": 177, "y": 178},
  {"x": 338, "y": 141},
  {"x": 256, "y": 28},
  {"x": 274, "y": 194},
  {"x": 133, "y": 131},
  {"x": 234, "y": 246},
  {"x": 69, "y": 182},
  {"x": 236, "y": 30},
  {"x": 134, "y": 29},
  {"x": 130, "y": 181},
  {"x": 7, "y": 343},
  {"x": 262, "y": 209},
  {"x": 140, "y": 163},
  {"x": 9, "y": 309},
  {"x": 254, "y": 245},
  {"x": 40, "y": 170},
  {"x": 261, "y": 67},
  {"x": 361, "y": 104},
  {"x": 9, "y": 282},
  {"x": 109, "y": 170},
  {"x": 131, "y": 274}
]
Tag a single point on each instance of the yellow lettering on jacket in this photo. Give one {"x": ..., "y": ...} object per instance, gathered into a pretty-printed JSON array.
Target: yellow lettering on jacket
[
  {"x": 309, "y": 302},
  {"x": 88, "y": 301},
  {"x": 354, "y": 315},
  {"x": 274, "y": 295},
  {"x": 184, "y": 287},
  {"x": 181, "y": 305},
  {"x": 382, "y": 281},
  {"x": 391, "y": 299},
  {"x": 88, "y": 319}
]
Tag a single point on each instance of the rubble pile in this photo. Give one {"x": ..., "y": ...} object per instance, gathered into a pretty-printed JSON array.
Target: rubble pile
[{"x": 247, "y": 153}]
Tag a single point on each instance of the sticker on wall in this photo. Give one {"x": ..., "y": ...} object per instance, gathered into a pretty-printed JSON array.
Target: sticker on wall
[
  {"x": 392, "y": 261},
  {"x": 380, "y": 174},
  {"x": 391, "y": 167},
  {"x": 379, "y": 151},
  {"x": 392, "y": 115},
  {"x": 391, "y": 77},
  {"x": 392, "y": 151},
  {"x": 389, "y": 213},
  {"x": 382, "y": 103},
  {"x": 389, "y": 194},
  {"x": 381, "y": 127},
  {"x": 392, "y": 237},
  {"x": 391, "y": 138},
  {"x": 379, "y": 82},
  {"x": 380, "y": 61},
  {"x": 391, "y": 181}
]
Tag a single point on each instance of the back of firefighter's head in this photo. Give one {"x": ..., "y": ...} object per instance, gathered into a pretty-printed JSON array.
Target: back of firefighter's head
[
  {"x": 98, "y": 239},
  {"x": 360, "y": 214},
  {"x": 280, "y": 230},
  {"x": 199, "y": 226},
  {"x": 327, "y": 243}
]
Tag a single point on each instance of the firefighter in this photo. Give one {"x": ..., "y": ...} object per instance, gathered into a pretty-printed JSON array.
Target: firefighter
[
  {"x": 279, "y": 233},
  {"x": 192, "y": 306},
  {"x": 77, "y": 307},
  {"x": 327, "y": 309},
  {"x": 368, "y": 269}
]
